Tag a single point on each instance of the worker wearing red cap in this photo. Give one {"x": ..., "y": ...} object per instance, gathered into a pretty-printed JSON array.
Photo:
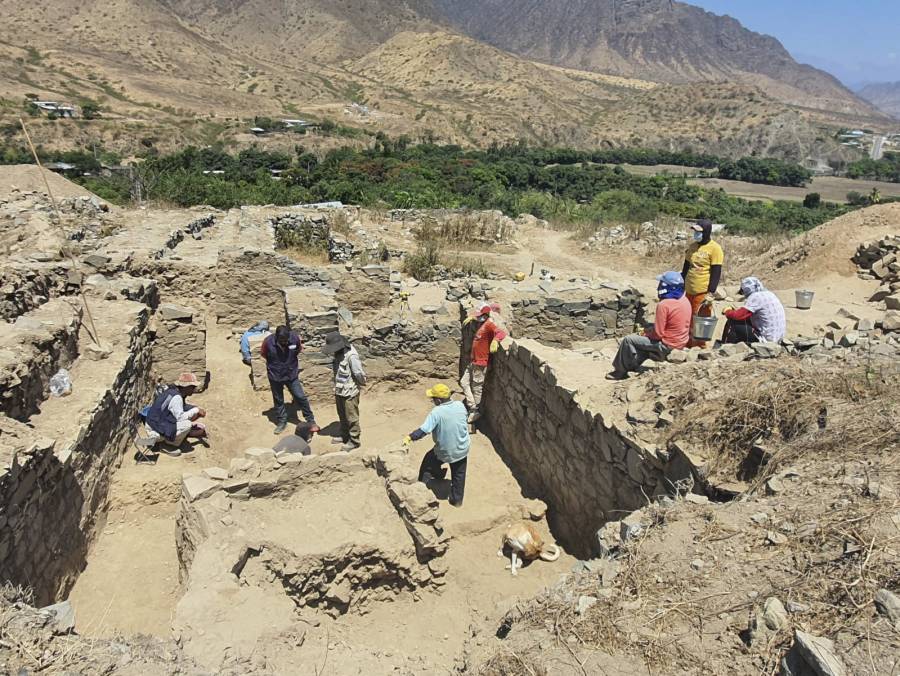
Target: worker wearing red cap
[{"x": 486, "y": 342}]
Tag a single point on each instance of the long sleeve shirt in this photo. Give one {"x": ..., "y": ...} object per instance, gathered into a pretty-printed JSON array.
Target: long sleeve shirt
[
  {"x": 176, "y": 408},
  {"x": 672, "y": 323},
  {"x": 348, "y": 373}
]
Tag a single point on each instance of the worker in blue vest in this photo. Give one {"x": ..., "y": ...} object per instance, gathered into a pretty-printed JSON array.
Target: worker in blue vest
[
  {"x": 171, "y": 418},
  {"x": 281, "y": 351}
]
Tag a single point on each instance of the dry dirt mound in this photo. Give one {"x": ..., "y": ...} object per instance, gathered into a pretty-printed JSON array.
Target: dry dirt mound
[
  {"x": 27, "y": 177},
  {"x": 826, "y": 249}
]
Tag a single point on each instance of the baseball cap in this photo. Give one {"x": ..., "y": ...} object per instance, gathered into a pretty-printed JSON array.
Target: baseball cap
[{"x": 671, "y": 278}]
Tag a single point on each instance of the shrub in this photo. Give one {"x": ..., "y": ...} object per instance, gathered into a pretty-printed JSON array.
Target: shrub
[{"x": 812, "y": 201}]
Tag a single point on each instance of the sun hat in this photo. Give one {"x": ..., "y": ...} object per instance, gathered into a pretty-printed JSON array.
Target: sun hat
[
  {"x": 335, "y": 342},
  {"x": 187, "y": 380},
  {"x": 439, "y": 391}
]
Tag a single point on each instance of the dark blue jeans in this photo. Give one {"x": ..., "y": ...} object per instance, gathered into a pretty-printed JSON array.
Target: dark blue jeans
[{"x": 296, "y": 390}]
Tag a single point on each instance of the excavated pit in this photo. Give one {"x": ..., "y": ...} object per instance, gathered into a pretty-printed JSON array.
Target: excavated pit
[{"x": 264, "y": 547}]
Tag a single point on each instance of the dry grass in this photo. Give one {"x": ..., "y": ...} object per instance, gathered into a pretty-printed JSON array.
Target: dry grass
[
  {"x": 839, "y": 432},
  {"x": 793, "y": 412}
]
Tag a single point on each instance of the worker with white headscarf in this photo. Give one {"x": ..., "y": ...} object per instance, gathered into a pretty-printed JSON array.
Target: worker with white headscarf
[{"x": 760, "y": 320}]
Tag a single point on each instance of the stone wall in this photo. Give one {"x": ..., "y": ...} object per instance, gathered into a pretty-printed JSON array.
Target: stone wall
[
  {"x": 588, "y": 472},
  {"x": 248, "y": 286},
  {"x": 53, "y": 489},
  {"x": 566, "y": 318},
  {"x": 32, "y": 350},
  {"x": 180, "y": 344},
  {"x": 26, "y": 287}
]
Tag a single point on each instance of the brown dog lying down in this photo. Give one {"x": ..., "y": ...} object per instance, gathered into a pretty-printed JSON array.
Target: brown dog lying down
[{"x": 525, "y": 544}]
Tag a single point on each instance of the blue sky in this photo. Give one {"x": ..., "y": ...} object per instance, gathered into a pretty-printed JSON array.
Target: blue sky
[{"x": 857, "y": 41}]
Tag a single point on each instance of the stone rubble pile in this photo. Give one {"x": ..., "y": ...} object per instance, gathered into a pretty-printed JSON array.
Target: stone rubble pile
[
  {"x": 881, "y": 260},
  {"x": 198, "y": 225},
  {"x": 639, "y": 238},
  {"x": 83, "y": 205}
]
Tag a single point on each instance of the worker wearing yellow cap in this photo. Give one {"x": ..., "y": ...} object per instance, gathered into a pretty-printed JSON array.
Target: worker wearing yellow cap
[{"x": 448, "y": 428}]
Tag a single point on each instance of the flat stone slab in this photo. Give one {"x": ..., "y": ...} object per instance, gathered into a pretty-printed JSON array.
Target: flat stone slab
[
  {"x": 197, "y": 486},
  {"x": 176, "y": 312}
]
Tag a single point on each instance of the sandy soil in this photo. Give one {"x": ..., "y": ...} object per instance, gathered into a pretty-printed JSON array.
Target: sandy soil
[
  {"x": 27, "y": 177},
  {"x": 131, "y": 581}
]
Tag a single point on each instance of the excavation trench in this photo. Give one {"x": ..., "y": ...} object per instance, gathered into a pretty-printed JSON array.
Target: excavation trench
[{"x": 354, "y": 538}]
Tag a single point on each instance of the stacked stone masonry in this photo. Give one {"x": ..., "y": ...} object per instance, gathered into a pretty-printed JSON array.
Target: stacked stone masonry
[
  {"x": 575, "y": 316},
  {"x": 56, "y": 471},
  {"x": 31, "y": 350},
  {"x": 180, "y": 343},
  {"x": 587, "y": 471}
]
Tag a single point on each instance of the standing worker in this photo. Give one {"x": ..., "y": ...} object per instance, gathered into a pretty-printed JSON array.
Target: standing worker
[
  {"x": 348, "y": 378},
  {"x": 486, "y": 342},
  {"x": 281, "y": 351},
  {"x": 450, "y": 432},
  {"x": 702, "y": 271}
]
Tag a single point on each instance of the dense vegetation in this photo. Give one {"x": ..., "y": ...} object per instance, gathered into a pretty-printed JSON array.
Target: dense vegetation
[
  {"x": 767, "y": 171},
  {"x": 560, "y": 185},
  {"x": 885, "y": 169}
]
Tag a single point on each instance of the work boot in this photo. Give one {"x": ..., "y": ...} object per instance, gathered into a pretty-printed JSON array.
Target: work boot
[
  {"x": 349, "y": 446},
  {"x": 279, "y": 428}
]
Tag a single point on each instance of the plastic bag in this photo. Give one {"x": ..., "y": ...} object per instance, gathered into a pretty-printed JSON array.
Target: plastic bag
[{"x": 61, "y": 384}]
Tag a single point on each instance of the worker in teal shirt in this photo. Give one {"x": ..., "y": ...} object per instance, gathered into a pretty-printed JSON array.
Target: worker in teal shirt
[{"x": 450, "y": 431}]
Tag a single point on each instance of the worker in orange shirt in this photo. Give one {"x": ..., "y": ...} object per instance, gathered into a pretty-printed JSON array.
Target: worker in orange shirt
[
  {"x": 702, "y": 271},
  {"x": 486, "y": 342}
]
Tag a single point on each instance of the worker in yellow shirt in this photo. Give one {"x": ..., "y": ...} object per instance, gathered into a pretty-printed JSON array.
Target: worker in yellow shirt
[{"x": 702, "y": 271}]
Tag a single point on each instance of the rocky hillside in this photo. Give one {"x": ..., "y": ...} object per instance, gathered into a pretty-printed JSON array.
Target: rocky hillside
[
  {"x": 884, "y": 95},
  {"x": 650, "y": 39},
  {"x": 173, "y": 72}
]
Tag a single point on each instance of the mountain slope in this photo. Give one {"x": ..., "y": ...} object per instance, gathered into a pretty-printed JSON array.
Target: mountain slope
[
  {"x": 884, "y": 95},
  {"x": 170, "y": 72},
  {"x": 649, "y": 39},
  {"x": 322, "y": 31}
]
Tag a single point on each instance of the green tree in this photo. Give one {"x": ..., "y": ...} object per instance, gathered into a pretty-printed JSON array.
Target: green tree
[
  {"x": 90, "y": 111},
  {"x": 813, "y": 200}
]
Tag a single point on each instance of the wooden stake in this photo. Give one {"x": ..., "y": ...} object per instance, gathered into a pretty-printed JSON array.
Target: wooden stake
[{"x": 87, "y": 310}]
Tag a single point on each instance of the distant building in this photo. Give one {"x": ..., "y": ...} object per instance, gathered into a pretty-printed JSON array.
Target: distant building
[
  {"x": 295, "y": 123},
  {"x": 60, "y": 167},
  {"x": 58, "y": 109},
  {"x": 259, "y": 131},
  {"x": 818, "y": 167}
]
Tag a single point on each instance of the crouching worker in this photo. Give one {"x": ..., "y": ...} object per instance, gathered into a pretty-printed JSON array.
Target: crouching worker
[
  {"x": 760, "y": 320},
  {"x": 450, "y": 432},
  {"x": 671, "y": 329},
  {"x": 171, "y": 419},
  {"x": 348, "y": 378}
]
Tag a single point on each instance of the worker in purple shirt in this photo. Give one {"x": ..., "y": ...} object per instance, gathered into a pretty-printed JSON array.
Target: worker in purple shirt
[{"x": 281, "y": 351}]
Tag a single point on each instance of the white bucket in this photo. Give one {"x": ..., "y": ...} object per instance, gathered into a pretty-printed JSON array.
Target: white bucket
[
  {"x": 804, "y": 299},
  {"x": 703, "y": 328}
]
